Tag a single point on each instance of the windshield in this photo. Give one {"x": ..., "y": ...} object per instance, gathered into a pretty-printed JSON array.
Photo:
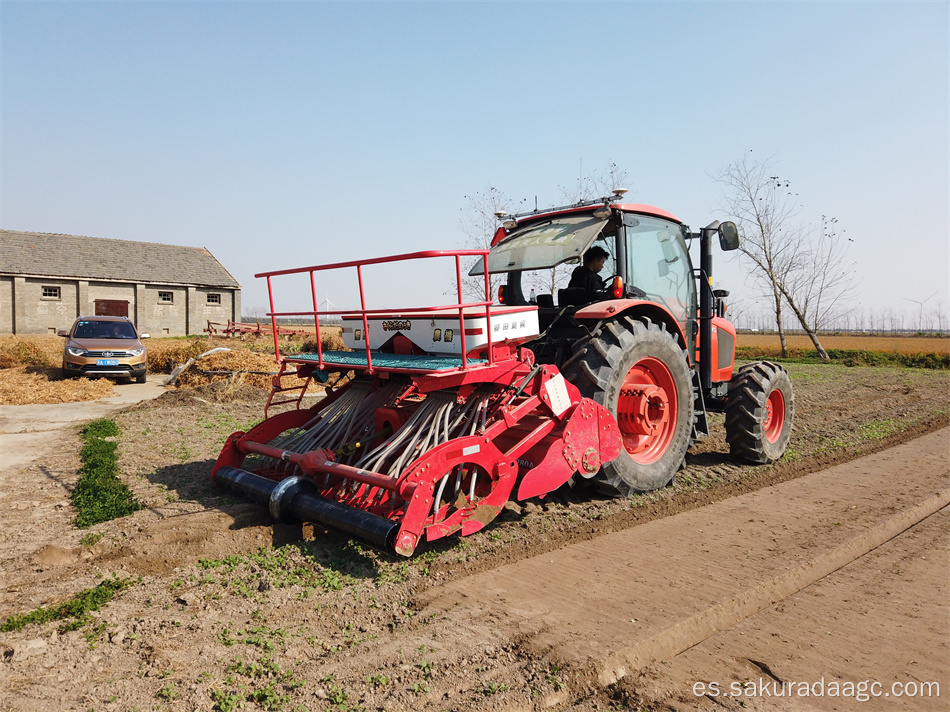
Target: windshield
[
  {"x": 104, "y": 330},
  {"x": 543, "y": 245}
]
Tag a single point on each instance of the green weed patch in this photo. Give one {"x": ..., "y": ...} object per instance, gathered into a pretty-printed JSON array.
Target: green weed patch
[
  {"x": 848, "y": 357},
  {"x": 99, "y": 495},
  {"x": 77, "y": 608}
]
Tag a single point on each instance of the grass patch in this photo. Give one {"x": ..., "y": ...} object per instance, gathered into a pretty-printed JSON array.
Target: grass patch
[
  {"x": 77, "y": 608},
  {"x": 878, "y": 429},
  {"x": 99, "y": 495},
  {"x": 848, "y": 357}
]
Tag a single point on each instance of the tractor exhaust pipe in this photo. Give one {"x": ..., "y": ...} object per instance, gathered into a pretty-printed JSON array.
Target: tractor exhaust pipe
[{"x": 289, "y": 500}]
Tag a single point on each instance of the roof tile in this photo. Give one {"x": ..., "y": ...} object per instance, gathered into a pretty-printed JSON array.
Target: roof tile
[{"x": 74, "y": 256}]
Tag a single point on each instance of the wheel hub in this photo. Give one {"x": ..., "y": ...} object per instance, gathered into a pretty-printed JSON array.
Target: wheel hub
[
  {"x": 774, "y": 417},
  {"x": 643, "y": 410},
  {"x": 647, "y": 410}
]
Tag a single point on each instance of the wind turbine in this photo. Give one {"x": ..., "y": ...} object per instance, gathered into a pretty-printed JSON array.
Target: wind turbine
[
  {"x": 326, "y": 305},
  {"x": 920, "y": 315}
]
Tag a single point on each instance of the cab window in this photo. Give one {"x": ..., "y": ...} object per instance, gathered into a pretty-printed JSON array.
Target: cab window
[{"x": 658, "y": 263}]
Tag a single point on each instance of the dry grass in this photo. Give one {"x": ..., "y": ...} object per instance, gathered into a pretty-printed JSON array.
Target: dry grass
[
  {"x": 27, "y": 385},
  {"x": 30, "y": 366},
  {"x": 851, "y": 342},
  {"x": 248, "y": 367},
  {"x": 30, "y": 351},
  {"x": 30, "y": 373}
]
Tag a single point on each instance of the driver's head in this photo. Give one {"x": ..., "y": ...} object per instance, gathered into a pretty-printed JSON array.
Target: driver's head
[{"x": 595, "y": 257}]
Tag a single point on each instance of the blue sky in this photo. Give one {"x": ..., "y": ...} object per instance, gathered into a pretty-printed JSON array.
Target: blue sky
[{"x": 282, "y": 135}]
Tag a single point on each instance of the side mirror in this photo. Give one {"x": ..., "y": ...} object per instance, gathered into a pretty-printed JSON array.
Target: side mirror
[
  {"x": 144, "y": 336},
  {"x": 728, "y": 236},
  {"x": 63, "y": 332}
]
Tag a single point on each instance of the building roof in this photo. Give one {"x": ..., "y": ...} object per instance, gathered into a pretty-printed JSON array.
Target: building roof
[{"x": 97, "y": 258}]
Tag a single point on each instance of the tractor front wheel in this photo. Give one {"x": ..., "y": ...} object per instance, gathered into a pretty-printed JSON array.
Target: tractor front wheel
[
  {"x": 759, "y": 412},
  {"x": 638, "y": 372}
]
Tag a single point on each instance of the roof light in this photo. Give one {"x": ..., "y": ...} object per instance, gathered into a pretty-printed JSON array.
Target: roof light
[
  {"x": 602, "y": 213},
  {"x": 510, "y": 224}
]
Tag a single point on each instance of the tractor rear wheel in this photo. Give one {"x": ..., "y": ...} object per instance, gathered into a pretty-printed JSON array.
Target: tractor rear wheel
[
  {"x": 638, "y": 372},
  {"x": 759, "y": 412}
]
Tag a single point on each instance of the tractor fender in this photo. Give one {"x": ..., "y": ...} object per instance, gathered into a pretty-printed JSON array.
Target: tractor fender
[{"x": 612, "y": 308}]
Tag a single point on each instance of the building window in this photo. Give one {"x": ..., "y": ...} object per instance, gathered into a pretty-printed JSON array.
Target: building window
[
  {"x": 214, "y": 299},
  {"x": 52, "y": 293},
  {"x": 166, "y": 298}
]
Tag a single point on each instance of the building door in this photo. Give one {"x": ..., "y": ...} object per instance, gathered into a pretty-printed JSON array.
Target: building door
[{"x": 112, "y": 307}]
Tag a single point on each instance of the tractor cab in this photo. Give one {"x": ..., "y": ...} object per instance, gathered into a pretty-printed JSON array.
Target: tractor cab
[{"x": 647, "y": 262}]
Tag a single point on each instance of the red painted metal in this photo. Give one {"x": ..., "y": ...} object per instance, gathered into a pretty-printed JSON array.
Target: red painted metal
[
  {"x": 611, "y": 308},
  {"x": 237, "y": 328},
  {"x": 646, "y": 410},
  {"x": 774, "y": 415},
  {"x": 641, "y": 209},
  {"x": 722, "y": 360},
  {"x": 513, "y": 412}
]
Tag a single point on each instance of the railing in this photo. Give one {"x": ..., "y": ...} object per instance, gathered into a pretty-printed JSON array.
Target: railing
[
  {"x": 230, "y": 328},
  {"x": 364, "y": 313}
]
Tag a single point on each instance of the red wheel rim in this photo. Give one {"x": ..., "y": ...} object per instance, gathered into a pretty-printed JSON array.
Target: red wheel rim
[
  {"x": 647, "y": 410},
  {"x": 774, "y": 415}
]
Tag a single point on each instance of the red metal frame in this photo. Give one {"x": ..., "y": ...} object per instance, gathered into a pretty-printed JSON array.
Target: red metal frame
[
  {"x": 232, "y": 328},
  {"x": 364, "y": 313},
  {"x": 524, "y": 422}
]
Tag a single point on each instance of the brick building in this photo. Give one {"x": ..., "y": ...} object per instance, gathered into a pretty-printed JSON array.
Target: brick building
[{"x": 47, "y": 280}]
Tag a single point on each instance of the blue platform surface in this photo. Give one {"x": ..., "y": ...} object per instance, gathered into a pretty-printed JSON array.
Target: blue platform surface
[{"x": 402, "y": 362}]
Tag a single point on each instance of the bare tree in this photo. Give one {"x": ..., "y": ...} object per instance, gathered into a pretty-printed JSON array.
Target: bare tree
[
  {"x": 597, "y": 184},
  {"x": 478, "y": 219},
  {"x": 821, "y": 279},
  {"x": 805, "y": 269},
  {"x": 764, "y": 210}
]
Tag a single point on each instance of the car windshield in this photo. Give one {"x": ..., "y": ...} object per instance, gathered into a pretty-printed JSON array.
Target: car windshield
[
  {"x": 104, "y": 330},
  {"x": 544, "y": 244}
]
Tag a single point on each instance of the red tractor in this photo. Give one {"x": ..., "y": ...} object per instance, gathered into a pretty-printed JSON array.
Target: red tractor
[{"x": 434, "y": 417}]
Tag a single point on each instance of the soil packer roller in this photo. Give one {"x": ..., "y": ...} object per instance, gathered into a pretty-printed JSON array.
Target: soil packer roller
[{"x": 434, "y": 417}]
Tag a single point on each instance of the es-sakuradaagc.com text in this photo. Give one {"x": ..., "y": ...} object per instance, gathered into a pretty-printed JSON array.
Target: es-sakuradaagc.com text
[{"x": 861, "y": 690}]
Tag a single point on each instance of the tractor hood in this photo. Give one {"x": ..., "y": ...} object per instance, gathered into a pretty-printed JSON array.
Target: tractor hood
[{"x": 543, "y": 244}]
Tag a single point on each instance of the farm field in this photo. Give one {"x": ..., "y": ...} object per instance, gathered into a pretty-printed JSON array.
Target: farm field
[
  {"x": 222, "y": 609},
  {"x": 850, "y": 342}
]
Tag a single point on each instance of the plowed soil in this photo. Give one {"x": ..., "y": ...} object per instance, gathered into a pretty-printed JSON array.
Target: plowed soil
[{"x": 228, "y": 610}]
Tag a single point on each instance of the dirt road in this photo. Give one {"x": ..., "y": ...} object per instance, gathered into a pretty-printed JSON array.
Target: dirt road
[
  {"x": 615, "y": 605},
  {"x": 24, "y": 428},
  {"x": 564, "y": 604}
]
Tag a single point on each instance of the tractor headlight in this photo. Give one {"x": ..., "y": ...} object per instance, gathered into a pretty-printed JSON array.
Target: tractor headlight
[{"x": 76, "y": 352}]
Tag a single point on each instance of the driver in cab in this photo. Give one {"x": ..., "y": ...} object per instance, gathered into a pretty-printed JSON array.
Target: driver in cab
[{"x": 586, "y": 276}]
